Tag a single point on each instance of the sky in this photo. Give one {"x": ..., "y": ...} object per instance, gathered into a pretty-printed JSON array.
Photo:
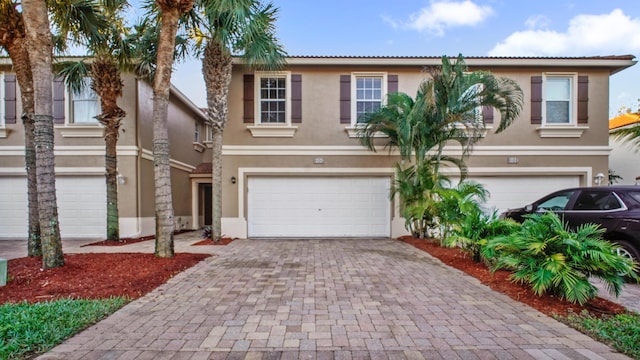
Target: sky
[{"x": 452, "y": 27}]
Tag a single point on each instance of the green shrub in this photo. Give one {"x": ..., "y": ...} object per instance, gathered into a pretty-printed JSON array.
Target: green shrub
[
  {"x": 549, "y": 257},
  {"x": 476, "y": 228},
  {"x": 621, "y": 331},
  {"x": 27, "y": 329}
]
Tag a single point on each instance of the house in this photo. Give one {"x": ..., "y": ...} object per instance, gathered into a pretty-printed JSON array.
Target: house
[
  {"x": 623, "y": 160},
  {"x": 79, "y": 158},
  {"x": 293, "y": 165}
]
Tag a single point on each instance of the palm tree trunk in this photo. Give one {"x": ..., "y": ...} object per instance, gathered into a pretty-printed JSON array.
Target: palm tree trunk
[
  {"x": 38, "y": 40},
  {"x": 20, "y": 59},
  {"x": 216, "y": 68},
  {"x": 161, "y": 151},
  {"x": 111, "y": 175},
  {"x": 107, "y": 83}
]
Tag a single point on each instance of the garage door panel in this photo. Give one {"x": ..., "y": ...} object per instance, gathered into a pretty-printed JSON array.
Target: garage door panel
[
  {"x": 318, "y": 206},
  {"x": 81, "y": 206}
]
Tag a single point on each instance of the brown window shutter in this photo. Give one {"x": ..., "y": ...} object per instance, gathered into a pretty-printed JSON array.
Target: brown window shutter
[
  {"x": 248, "y": 98},
  {"x": 392, "y": 84},
  {"x": 536, "y": 99},
  {"x": 583, "y": 99},
  {"x": 10, "y": 98},
  {"x": 487, "y": 114},
  {"x": 296, "y": 98},
  {"x": 345, "y": 99},
  {"x": 58, "y": 101}
]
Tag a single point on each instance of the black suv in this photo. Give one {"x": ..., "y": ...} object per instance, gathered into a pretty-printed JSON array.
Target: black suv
[{"x": 615, "y": 208}]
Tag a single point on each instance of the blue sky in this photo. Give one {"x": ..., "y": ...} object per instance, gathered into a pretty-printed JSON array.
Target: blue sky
[{"x": 450, "y": 27}]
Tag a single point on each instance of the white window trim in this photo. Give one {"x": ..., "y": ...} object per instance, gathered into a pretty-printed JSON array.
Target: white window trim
[
  {"x": 77, "y": 130},
  {"x": 3, "y": 125},
  {"x": 354, "y": 99},
  {"x": 259, "y": 129},
  {"x": 570, "y": 130}
]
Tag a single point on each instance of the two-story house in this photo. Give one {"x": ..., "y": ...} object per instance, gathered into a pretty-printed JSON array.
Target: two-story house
[
  {"x": 293, "y": 165},
  {"x": 79, "y": 159}
]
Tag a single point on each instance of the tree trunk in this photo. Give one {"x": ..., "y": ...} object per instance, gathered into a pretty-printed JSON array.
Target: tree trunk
[
  {"x": 216, "y": 68},
  {"x": 38, "y": 40},
  {"x": 17, "y": 50},
  {"x": 106, "y": 82},
  {"x": 161, "y": 150}
]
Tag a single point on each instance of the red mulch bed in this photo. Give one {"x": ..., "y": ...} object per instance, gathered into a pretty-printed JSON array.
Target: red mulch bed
[
  {"x": 122, "y": 242},
  {"x": 92, "y": 276},
  {"x": 223, "y": 241},
  {"x": 499, "y": 281}
]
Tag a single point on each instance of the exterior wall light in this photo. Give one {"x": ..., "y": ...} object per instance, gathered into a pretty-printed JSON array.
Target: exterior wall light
[{"x": 233, "y": 179}]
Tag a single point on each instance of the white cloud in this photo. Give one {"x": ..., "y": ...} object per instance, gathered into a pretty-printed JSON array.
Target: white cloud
[
  {"x": 537, "y": 22},
  {"x": 442, "y": 14},
  {"x": 605, "y": 34}
]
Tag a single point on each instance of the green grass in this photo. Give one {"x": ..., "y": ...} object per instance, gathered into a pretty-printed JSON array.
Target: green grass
[
  {"x": 621, "y": 332},
  {"x": 27, "y": 329}
]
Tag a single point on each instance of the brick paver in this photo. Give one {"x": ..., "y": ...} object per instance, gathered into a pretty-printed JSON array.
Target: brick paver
[{"x": 327, "y": 299}]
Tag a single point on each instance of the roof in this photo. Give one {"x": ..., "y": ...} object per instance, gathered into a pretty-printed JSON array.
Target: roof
[
  {"x": 623, "y": 120},
  {"x": 203, "y": 168},
  {"x": 614, "y": 63}
]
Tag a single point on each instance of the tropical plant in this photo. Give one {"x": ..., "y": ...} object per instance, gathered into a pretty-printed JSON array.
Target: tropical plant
[
  {"x": 245, "y": 27},
  {"x": 453, "y": 203},
  {"x": 12, "y": 39},
  {"x": 111, "y": 53},
  {"x": 446, "y": 110},
  {"x": 476, "y": 228},
  {"x": 169, "y": 15},
  {"x": 22, "y": 35},
  {"x": 551, "y": 258}
]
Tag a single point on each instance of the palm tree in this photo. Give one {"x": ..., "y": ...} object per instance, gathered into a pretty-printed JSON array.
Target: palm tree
[
  {"x": 39, "y": 47},
  {"x": 245, "y": 26},
  {"x": 112, "y": 53},
  {"x": 170, "y": 13},
  {"x": 446, "y": 110},
  {"x": 12, "y": 39},
  {"x": 72, "y": 17}
]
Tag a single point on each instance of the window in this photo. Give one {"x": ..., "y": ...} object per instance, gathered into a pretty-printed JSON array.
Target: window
[
  {"x": 84, "y": 104},
  {"x": 2, "y": 101},
  {"x": 556, "y": 203},
  {"x": 597, "y": 200},
  {"x": 559, "y": 100},
  {"x": 273, "y": 100},
  {"x": 196, "y": 137},
  {"x": 369, "y": 94}
]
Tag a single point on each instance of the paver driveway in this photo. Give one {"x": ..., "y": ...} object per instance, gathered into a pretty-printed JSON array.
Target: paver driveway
[{"x": 327, "y": 299}]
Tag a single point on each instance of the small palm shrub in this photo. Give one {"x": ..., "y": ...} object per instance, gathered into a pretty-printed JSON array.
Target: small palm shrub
[
  {"x": 550, "y": 258},
  {"x": 475, "y": 230},
  {"x": 454, "y": 203}
]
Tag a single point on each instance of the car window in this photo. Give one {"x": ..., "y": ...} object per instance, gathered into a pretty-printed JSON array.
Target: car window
[
  {"x": 556, "y": 202},
  {"x": 590, "y": 200},
  {"x": 635, "y": 195}
]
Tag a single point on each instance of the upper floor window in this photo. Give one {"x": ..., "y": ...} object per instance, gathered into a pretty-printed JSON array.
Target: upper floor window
[
  {"x": 272, "y": 99},
  {"x": 85, "y": 105},
  {"x": 196, "y": 137},
  {"x": 368, "y": 92},
  {"x": 559, "y": 100},
  {"x": 2, "y": 100}
]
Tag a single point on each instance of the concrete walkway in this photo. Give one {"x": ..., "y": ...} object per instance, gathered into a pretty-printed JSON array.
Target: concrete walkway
[{"x": 327, "y": 299}]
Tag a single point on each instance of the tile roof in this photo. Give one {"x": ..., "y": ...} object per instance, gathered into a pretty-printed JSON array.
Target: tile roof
[{"x": 623, "y": 120}]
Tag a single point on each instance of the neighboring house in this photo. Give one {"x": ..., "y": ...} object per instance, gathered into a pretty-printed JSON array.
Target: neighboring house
[
  {"x": 293, "y": 166},
  {"x": 79, "y": 159},
  {"x": 624, "y": 160}
]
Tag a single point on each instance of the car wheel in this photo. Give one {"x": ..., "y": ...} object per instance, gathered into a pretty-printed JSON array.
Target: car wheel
[{"x": 627, "y": 250}]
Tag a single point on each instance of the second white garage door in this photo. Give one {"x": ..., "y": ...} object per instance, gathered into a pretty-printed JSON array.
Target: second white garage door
[{"x": 319, "y": 207}]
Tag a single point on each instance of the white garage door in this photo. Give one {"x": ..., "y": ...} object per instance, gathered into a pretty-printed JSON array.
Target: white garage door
[
  {"x": 507, "y": 192},
  {"x": 319, "y": 207},
  {"x": 81, "y": 207}
]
